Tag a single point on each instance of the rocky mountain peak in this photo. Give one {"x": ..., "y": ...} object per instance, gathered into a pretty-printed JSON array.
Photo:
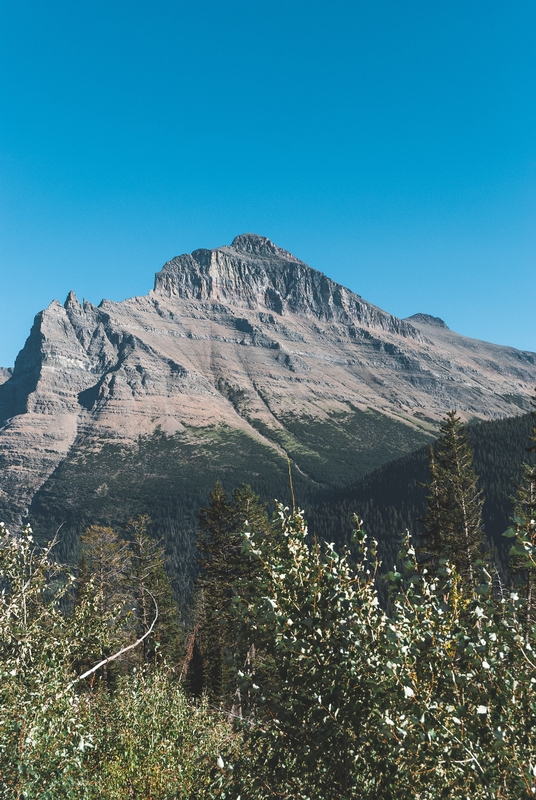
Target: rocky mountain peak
[
  {"x": 256, "y": 274},
  {"x": 72, "y": 302},
  {"x": 257, "y": 245},
  {"x": 427, "y": 319},
  {"x": 249, "y": 340}
]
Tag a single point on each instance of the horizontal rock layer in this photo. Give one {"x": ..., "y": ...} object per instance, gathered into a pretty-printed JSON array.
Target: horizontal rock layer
[{"x": 243, "y": 336}]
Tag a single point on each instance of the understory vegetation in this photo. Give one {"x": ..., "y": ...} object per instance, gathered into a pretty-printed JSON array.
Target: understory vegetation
[{"x": 296, "y": 672}]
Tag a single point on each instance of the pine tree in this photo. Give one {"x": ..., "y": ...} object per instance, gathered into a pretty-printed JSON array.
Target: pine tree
[
  {"x": 453, "y": 522},
  {"x": 106, "y": 559},
  {"x": 103, "y": 585},
  {"x": 223, "y": 566},
  {"x": 532, "y": 446},
  {"x": 433, "y": 520},
  {"x": 523, "y": 552},
  {"x": 214, "y": 543},
  {"x": 250, "y": 514},
  {"x": 150, "y": 584}
]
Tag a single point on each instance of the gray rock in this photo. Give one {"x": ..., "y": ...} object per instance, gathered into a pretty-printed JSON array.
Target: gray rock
[
  {"x": 5, "y": 374},
  {"x": 256, "y": 320}
]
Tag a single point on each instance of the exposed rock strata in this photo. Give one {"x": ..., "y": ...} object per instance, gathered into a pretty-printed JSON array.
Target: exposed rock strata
[{"x": 247, "y": 321}]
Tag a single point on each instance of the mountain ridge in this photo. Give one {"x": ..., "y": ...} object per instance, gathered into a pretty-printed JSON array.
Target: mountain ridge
[{"x": 244, "y": 338}]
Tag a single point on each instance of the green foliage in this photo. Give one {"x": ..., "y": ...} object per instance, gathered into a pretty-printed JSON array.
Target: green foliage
[
  {"x": 223, "y": 567},
  {"x": 435, "y": 700},
  {"x": 523, "y": 531},
  {"x": 391, "y": 498},
  {"x": 127, "y": 582},
  {"x": 103, "y": 583},
  {"x": 61, "y": 739},
  {"x": 453, "y": 522},
  {"x": 149, "y": 584},
  {"x": 317, "y": 621},
  {"x": 41, "y": 738},
  {"x": 151, "y": 742},
  {"x": 333, "y": 697},
  {"x": 344, "y": 445},
  {"x": 170, "y": 477},
  {"x": 532, "y": 446}
]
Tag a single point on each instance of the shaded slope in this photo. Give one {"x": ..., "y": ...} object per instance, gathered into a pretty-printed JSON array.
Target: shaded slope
[{"x": 390, "y": 500}]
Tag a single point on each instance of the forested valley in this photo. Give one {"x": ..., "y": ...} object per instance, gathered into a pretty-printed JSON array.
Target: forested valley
[{"x": 334, "y": 661}]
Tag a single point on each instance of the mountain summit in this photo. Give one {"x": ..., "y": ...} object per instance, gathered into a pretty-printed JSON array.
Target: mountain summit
[
  {"x": 239, "y": 350},
  {"x": 256, "y": 274}
]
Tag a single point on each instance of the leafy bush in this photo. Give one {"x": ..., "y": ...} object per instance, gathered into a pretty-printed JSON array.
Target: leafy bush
[
  {"x": 63, "y": 739},
  {"x": 434, "y": 700},
  {"x": 340, "y": 699},
  {"x": 150, "y": 741}
]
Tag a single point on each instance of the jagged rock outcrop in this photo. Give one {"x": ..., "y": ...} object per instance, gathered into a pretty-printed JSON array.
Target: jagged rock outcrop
[
  {"x": 245, "y": 336},
  {"x": 256, "y": 274}
]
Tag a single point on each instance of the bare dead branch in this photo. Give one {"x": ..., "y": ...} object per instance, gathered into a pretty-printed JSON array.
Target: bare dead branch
[{"x": 122, "y": 651}]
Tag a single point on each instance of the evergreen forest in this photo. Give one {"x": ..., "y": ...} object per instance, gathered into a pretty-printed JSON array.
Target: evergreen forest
[{"x": 379, "y": 645}]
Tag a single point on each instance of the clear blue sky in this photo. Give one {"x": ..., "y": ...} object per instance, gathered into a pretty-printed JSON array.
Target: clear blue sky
[{"x": 390, "y": 144}]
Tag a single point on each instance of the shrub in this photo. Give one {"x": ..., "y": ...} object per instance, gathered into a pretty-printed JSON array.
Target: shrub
[{"x": 434, "y": 700}]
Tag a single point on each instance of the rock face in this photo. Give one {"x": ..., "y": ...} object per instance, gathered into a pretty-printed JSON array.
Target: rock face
[
  {"x": 5, "y": 374},
  {"x": 253, "y": 273},
  {"x": 245, "y": 336}
]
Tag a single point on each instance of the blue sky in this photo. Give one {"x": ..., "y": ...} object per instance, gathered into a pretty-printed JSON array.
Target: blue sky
[{"x": 390, "y": 144}]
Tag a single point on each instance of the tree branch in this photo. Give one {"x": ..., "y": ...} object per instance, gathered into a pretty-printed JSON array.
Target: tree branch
[{"x": 119, "y": 652}]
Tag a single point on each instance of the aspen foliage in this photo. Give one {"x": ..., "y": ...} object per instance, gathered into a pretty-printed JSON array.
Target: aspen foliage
[{"x": 435, "y": 699}]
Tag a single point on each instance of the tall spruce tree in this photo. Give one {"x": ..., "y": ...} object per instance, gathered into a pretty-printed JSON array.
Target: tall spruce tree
[
  {"x": 217, "y": 545},
  {"x": 453, "y": 522},
  {"x": 103, "y": 584},
  {"x": 522, "y": 562},
  {"x": 222, "y": 567}
]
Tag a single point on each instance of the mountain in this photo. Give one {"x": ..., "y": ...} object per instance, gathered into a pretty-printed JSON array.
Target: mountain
[{"x": 238, "y": 358}]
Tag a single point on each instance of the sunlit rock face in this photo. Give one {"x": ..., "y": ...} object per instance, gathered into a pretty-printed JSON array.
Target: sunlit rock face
[
  {"x": 246, "y": 336},
  {"x": 255, "y": 274}
]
